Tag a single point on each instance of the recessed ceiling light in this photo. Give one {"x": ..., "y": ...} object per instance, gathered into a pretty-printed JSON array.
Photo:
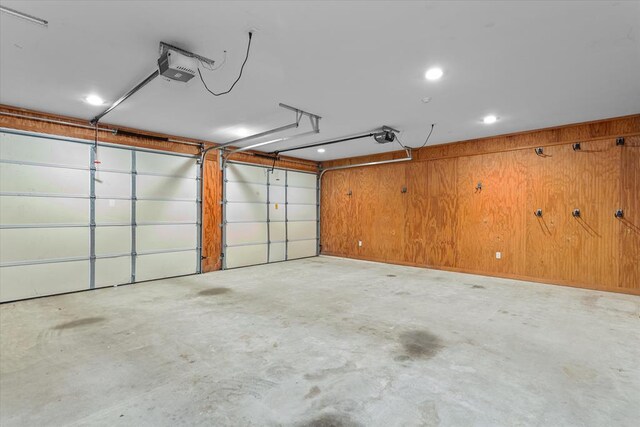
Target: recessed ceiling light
[
  {"x": 321, "y": 150},
  {"x": 433, "y": 73},
  {"x": 489, "y": 119},
  {"x": 94, "y": 100}
]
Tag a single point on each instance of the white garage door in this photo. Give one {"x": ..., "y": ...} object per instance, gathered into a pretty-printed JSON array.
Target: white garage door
[
  {"x": 270, "y": 215},
  {"x": 67, "y": 226}
]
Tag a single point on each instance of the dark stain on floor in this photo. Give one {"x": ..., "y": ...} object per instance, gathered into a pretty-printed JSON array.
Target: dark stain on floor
[
  {"x": 331, "y": 420},
  {"x": 420, "y": 344},
  {"x": 313, "y": 392},
  {"x": 477, "y": 287},
  {"x": 80, "y": 322},
  {"x": 214, "y": 291},
  {"x": 391, "y": 275}
]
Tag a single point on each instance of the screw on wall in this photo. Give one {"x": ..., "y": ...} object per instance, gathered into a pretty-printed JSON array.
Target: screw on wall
[
  {"x": 619, "y": 214},
  {"x": 539, "y": 151},
  {"x": 538, "y": 213},
  {"x": 576, "y": 213},
  {"x": 349, "y": 193},
  {"x": 576, "y": 146},
  {"x": 478, "y": 186},
  {"x": 404, "y": 190},
  {"x": 620, "y": 141}
]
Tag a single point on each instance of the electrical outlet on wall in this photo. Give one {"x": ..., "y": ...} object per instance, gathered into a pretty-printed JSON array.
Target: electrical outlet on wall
[
  {"x": 498, "y": 255},
  {"x": 359, "y": 243}
]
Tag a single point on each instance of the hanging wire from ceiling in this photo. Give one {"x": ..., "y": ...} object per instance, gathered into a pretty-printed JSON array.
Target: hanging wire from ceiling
[
  {"x": 239, "y": 75},
  {"x": 423, "y": 144}
]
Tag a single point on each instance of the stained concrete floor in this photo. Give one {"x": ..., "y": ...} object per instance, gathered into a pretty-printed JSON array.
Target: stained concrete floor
[{"x": 323, "y": 342}]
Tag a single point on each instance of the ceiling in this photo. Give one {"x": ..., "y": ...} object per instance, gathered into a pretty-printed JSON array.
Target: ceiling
[{"x": 359, "y": 65}]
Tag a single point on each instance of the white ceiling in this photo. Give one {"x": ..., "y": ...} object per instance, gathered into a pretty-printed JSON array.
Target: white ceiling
[{"x": 359, "y": 65}]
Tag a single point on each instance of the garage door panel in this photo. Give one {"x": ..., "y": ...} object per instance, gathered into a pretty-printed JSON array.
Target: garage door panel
[
  {"x": 245, "y": 233},
  {"x": 39, "y": 179},
  {"x": 277, "y": 212},
  {"x": 33, "y": 244},
  {"x": 166, "y": 164},
  {"x": 165, "y": 187},
  {"x": 247, "y": 174},
  {"x": 297, "y": 195},
  {"x": 292, "y": 200},
  {"x": 113, "y": 159},
  {"x": 246, "y": 192},
  {"x": 301, "y": 249},
  {"x": 255, "y": 212},
  {"x": 42, "y": 150},
  {"x": 170, "y": 264},
  {"x": 276, "y": 194},
  {"x": 112, "y": 211},
  {"x": 166, "y": 211},
  {"x": 302, "y": 212},
  {"x": 165, "y": 237},
  {"x": 31, "y": 281},
  {"x": 43, "y": 210},
  {"x": 113, "y": 240},
  {"x": 300, "y": 179},
  {"x": 302, "y": 230},
  {"x": 241, "y": 256},
  {"x": 277, "y": 177},
  {"x": 277, "y": 252},
  {"x": 50, "y": 216},
  {"x": 277, "y": 231},
  {"x": 113, "y": 271},
  {"x": 112, "y": 184}
]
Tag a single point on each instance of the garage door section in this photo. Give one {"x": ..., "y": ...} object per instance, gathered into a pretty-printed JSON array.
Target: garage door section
[
  {"x": 65, "y": 226},
  {"x": 270, "y": 215}
]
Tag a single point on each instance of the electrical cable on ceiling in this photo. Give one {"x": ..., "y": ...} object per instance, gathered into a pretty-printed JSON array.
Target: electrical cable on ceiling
[
  {"x": 239, "y": 75},
  {"x": 423, "y": 144}
]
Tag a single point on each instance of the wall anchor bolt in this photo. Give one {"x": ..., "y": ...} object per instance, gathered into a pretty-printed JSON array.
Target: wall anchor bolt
[
  {"x": 576, "y": 213},
  {"x": 404, "y": 190},
  {"x": 576, "y": 146},
  {"x": 619, "y": 213},
  {"x": 620, "y": 141},
  {"x": 538, "y": 213}
]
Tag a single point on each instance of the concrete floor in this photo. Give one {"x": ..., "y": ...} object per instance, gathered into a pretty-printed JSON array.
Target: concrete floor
[{"x": 323, "y": 342}]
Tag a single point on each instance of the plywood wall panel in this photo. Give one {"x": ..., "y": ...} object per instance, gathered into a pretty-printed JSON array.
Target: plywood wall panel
[
  {"x": 629, "y": 226},
  {"x": 383, "y": 208},
  {"x": 491, "y": 219},
  {"x": 431, "y": 220},
  {"x": 594, "y": 189},
  {"x": 336, "y": 209},
  {"x": 550, "y": 239}
]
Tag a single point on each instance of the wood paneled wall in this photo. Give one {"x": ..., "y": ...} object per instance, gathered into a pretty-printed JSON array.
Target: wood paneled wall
[
  {"x": 442, "y": 221},
  {"x": 212, "y": 175}
]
